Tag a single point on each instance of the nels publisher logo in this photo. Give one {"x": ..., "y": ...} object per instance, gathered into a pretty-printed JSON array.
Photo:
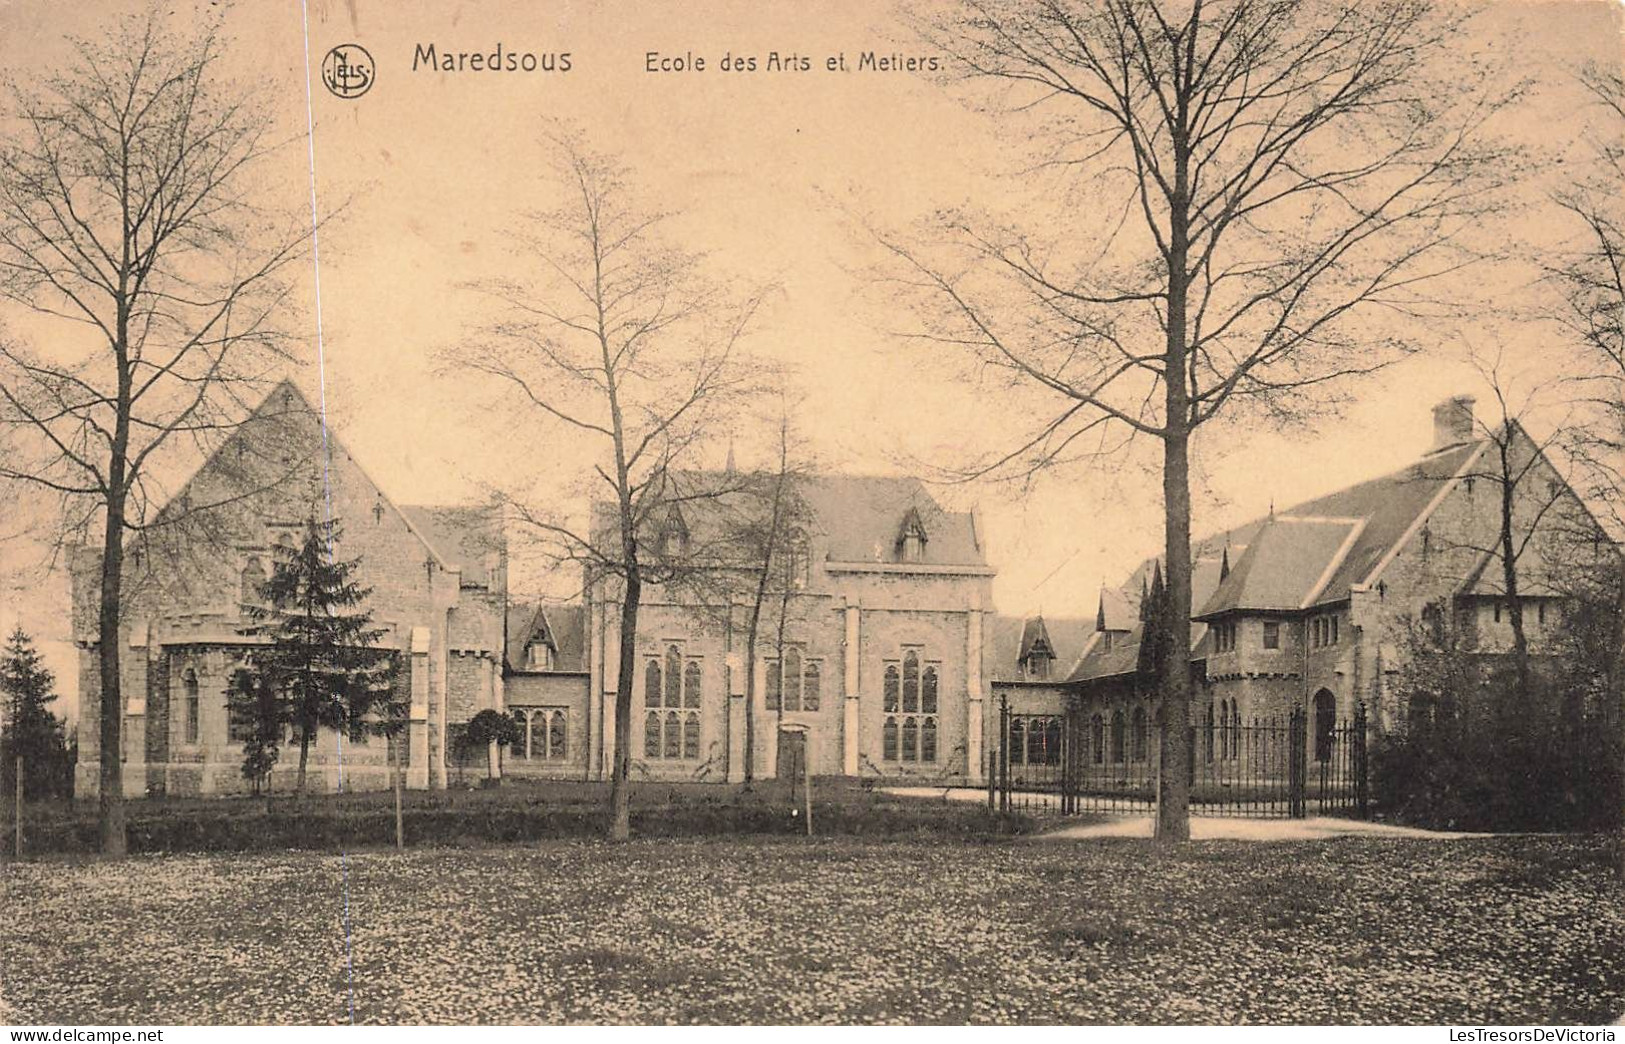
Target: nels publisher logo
[{"x": 348, "y": 71}]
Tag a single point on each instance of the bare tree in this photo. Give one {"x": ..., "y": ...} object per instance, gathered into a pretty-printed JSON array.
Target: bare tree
[
  {"x": 620, "y": 340},
  {"x": 1592, "y": 281},
  {"x": 768, "y": 533},
  {"x": 130, "y": 231},
  {"x": 1265, "y": 176},
  {"x": 1535, "y": 506}
]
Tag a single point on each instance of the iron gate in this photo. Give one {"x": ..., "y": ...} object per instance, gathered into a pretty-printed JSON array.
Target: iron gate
[{"x": 1108, "y": 760}]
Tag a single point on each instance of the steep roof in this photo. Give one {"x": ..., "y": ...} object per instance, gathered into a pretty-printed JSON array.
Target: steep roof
[
  {"x": 1286, "y": 565},
  {"x": 564, "y": 627},
  {"x": 465, "y": 536},
  {"x": 1310, "y": 554},
  {"x": 1006, "y": 640},
  {"x": 858, "y": 517}
]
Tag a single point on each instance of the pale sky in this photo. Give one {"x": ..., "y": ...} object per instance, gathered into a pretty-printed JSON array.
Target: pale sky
[{"x": 763, "y": 171}]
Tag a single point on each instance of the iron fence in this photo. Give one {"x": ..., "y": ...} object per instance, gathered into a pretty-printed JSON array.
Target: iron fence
[{"x": 1108, "y": 762}]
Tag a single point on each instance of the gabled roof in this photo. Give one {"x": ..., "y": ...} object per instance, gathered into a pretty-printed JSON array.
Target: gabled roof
[
  {"x": 1007, "y": 639},
  {"x": 1286, "y": 566},
  {"x": 858, "y": 517},
  {"x": 564, "y": 627},
  {"x": 453, "y": 536},
  {"x": 1309, "y": 555},
  {"x": 861, "y": 516},
  {"x": 465, "y": 536}
]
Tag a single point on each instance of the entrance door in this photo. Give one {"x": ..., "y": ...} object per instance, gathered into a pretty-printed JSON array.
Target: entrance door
[{"x": 792, "y": 754}]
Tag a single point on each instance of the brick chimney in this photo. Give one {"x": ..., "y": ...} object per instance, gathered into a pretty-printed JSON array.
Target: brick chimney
[{"x": 1453, "y": 422}]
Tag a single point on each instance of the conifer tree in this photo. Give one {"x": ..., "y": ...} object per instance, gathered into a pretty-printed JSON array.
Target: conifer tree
[
  {"x": 32, "y": 732},
  {"x": 323, "y": 668}
]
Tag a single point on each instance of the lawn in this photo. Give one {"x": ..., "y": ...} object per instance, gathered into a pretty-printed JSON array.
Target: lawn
[{"x": 768, "y": 929}]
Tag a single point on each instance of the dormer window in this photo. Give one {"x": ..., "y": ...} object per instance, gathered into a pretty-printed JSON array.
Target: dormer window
[
  {"x": 251, "y": 583},
  {"x": 674, "y": 534},
  {"x": 911, "y": 539},
  {"x": 538, "y": 656}
]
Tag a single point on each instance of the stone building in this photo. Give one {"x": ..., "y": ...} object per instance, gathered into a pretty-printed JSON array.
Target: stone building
[
  {"x": 438, "y": 580},
  {"x": 881, "y": 666},
  {"x": 893, "y": 663},
  {"x": 1312, "y": 606}
]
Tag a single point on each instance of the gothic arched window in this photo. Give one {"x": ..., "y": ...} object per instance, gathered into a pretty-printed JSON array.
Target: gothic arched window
[
  {"x": 691, "y": 684},
  {"x": 651, "y": 683},
  {"x": 674, "y": 677},
  {"x": 193, "y": 706}
]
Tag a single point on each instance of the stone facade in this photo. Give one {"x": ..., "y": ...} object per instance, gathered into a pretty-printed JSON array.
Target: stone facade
[
  {"x": 1313, "y": 606},
  {"x": 883, "y": 635},
  {"x": 438, "y": 588}
]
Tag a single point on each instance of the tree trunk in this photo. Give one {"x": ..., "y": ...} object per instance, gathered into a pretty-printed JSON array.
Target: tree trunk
[
  {"x": 1173, "y": 784},
  {"x": 1615, "y": 715},
  {"x": 304, "y": 759},
  {"x": 750, "y": 689},
  {"x": 110, "y": 797},
  {"x": 620, "y": 797},
  {"x": 1173, "y": 789},
  {"x": 1509, "y": 580}
]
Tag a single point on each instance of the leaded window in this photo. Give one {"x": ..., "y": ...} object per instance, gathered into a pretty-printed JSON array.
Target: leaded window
[
  {"x": 795, "y": 684},
  {"x": 673, "y": 683},
  {"x": 909, "y": 699}
]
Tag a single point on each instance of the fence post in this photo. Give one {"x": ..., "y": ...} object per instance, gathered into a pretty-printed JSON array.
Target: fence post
[
  {"x": 1297, "y": 737},
  {"x": 1362, "y": 791},
  {"x": 1004, "y": 754}
]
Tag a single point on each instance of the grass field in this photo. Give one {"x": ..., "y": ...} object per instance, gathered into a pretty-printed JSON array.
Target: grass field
[
  {"x": 518, "y": 811},
  {"x": 767, "y": 929}
]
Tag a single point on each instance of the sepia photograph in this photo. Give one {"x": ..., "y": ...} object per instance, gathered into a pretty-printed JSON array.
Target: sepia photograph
[{"x": 648, "y": 513}]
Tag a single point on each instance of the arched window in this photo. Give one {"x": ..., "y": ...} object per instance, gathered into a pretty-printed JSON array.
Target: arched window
[
  {"x": 674, "y": 677},
  {"x": 1052, "y": 742},
  {"x": 1235, "y": 730},
  {"x": 1207, "y": 743},
  {"x": 928, "y": 739},
  {"x": 910, "y": 690},
  {"x": 1097, "y": 738},
  {"x": 240, "y": 726},
  {"x": 1018, "y": 741},
  {"x": 691, "y": 684},
  {"x": 1118, "y": 751},
  {"x": 520, "y": 748},
  {"x": 888, "y": 739},
  {"x": 691, "y": 735},
  {"x": 673, "y": 746},
  {"x": 193, "y": 707},
  {"x": 792, "y": 680},
  {"x": 651, "y": 734},
  {"x": 557, "y": 736},
  {"x": 1325, "y": 724},
  {"x": 1139, "y": 734},
  {"x": 252, "y": 583},
  {"x": 651, "y": 683},
  {"x": 810, "y": 684},
  {"x": 775, "y": 684}
]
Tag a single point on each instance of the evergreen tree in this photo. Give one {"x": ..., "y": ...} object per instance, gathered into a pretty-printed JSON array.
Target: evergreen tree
[
  {"x": 254, "y": 702},
  {"x": 32, "y": 731},
  {"x": 322, "y": 668},
  {"x": 1155, "y": 642}
]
